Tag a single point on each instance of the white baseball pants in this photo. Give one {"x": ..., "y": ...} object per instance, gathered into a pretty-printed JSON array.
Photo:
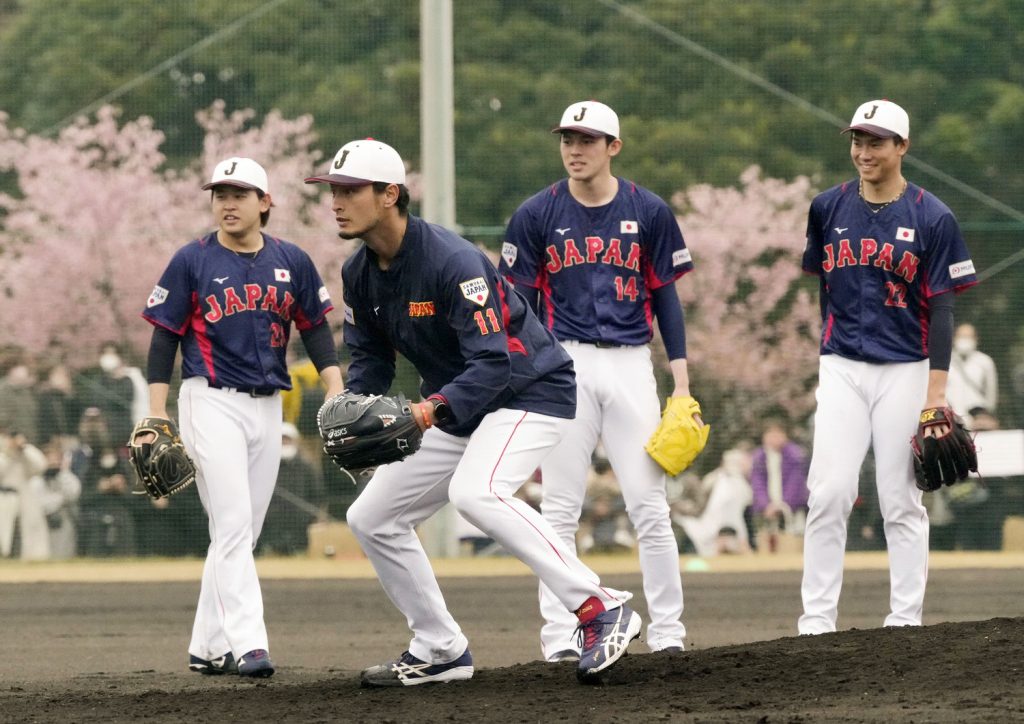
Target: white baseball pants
[
  {"x": 617, "y": 402},
  {"x": 235, "y": 442},
  {"x": 480, "y": 475},
  {"x": 861, "y": 404}
]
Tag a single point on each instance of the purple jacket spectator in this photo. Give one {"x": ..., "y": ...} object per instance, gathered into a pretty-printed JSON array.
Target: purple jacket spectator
[{"x": 794, "y": 477}]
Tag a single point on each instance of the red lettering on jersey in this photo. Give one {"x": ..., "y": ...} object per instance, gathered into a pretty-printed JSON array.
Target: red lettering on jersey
[
  {"x": 572, "y": 254},
  {"x": 215, "y": 313},
  {"x": 421, "y": 309},
  {"x": 633, "y": 260},
  {"x": 232, "y": 302},
  {"x": 830, "y": 259},
  {"x": 253, "y": 292},
  {"x": 846, "y": 257},
  {"x": 595, "y": 245},
  {"x": 908, "y": 266},
  {"x": 555, "y": 265},
  {"x": 614, "y": 253},
  {"x": 286, "y": 306},
  {"x": 270, "y": 300},
  {"x": 868, "y": 247},
  {"x": 884, "y": 260}
]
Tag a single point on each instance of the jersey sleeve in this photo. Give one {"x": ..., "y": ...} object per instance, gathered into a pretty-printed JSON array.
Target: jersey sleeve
[
  {"x": 313, "y": 299},
  {"x": 669, "y": 257},
  {"x": 372, "y": 366},
  {"x": 813, "y": 250},
  {"x": 948, "y": 265},
  {"x": 522, "y": 251},
  {"x": 475, "y": 309},
  {"x": 170, "y": 303}
]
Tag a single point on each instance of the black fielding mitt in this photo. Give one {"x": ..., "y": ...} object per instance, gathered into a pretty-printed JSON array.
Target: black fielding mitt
[
  {"x": 364, "y": 431},
  {"x": 946, "y": 459},
  {"x": 161, "y": 464}
]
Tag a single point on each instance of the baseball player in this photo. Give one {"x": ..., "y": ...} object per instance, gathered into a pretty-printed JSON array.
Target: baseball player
[
  {"x": 598, "y": 256},
  {"x": 498, "y": 392},
  {"x": 891, "y": 257},
  {"x": 229, "y": 300}
]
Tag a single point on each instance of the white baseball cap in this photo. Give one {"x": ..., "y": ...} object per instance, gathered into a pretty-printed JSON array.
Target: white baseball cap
[
  {"x": 362, "y": 162},
  {"x": 591, "y": 118},
  {"x": 241, "y": 172},
  {"x": 880, "y": 118}
]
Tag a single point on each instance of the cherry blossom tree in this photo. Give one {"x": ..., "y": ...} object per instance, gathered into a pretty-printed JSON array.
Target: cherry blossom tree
[
  {"x": 95, "y": 215},
  {"x": 752, "y": 316}
]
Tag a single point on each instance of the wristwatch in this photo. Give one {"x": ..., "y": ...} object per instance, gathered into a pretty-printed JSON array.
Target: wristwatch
[{"x": 442, "y": 412}]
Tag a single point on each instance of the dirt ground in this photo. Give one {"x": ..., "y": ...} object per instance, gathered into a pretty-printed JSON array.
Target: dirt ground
[{"x": 90, "y": 652}]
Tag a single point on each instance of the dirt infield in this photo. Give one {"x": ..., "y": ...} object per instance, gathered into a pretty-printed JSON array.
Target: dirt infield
[{"x": 84, "y": 652}]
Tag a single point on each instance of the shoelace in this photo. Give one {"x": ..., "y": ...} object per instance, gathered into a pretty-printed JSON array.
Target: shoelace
[{"x": 588, "y": 634}]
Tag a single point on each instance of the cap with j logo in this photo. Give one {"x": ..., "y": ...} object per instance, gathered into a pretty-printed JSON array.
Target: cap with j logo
[
  {"x": 241, "y": 172},
  {"x": 882, "y": 118},
  {"x": 363, "y": 162},
  {"x": 591, "y": 118}
]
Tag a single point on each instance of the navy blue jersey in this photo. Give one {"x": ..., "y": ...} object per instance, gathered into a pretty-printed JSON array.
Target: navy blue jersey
[
  {"x": 879, "y": 270},
  {"x": 234, "y": 312},
  {"x": 595, "y": 266},
  {"x": 472, "y": 338}
]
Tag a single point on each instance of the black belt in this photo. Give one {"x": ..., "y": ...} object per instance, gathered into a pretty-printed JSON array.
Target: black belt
[
  {"x": 599, "y": 343},
  {"x": 251, "y": 391}
]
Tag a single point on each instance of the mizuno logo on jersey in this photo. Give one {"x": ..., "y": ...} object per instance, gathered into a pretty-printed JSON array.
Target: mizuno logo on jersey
[
  {"x": 597, "y": 252},
  {"x": 221, "y": 280},
  {"x": 561, "y": 232},
  {"x": 841, "y": 229},
  {"x": 421, "y": 309},
  {"x": 871, "y": 254},
  {"x": 255, "y": 298}
]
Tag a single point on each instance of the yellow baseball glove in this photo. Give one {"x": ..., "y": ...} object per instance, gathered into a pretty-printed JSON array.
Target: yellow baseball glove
[{"x": 680, "y": 437}]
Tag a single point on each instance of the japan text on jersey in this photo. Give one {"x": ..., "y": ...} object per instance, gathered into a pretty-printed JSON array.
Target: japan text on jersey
[
  {"x": 595, "y": 267},
  {"x": 879, "y": 270},
  {"x": 473, "y": 339},
  {"x": 235, "y": 312}
]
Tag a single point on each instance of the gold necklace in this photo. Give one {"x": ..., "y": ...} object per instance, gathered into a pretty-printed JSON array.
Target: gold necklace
[{"x": 871, "y": 204}]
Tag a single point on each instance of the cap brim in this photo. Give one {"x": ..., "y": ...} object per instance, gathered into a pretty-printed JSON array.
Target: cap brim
[
  {"x": 876, "y": 131},
  {"x": 236, "y": 184},
  {"x": 338, "y": 180},
  {"x": 581, "y": 129}
]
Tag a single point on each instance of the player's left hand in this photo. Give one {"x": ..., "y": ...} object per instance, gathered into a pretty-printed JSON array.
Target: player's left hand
[
  {"x": 680, "y": 437},
  {"x": 943, "y": 450}
]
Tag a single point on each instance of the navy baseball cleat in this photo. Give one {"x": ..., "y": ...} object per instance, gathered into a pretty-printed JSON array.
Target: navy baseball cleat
[
  {"x": 256, "y": 664},
  {"x": 214, "y": 667},
  {"x": 410, "y": 671},
  {"x": 604, "y": 640}
]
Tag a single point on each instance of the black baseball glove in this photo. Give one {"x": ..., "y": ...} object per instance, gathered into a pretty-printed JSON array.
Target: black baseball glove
[
  {"x": 364, "y": 431},
  {"x": 161, "y": 463},
  {"x": 946, "y": 459}
]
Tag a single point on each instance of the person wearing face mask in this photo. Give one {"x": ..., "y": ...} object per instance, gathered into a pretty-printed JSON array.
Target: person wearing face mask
[
  {"x": 110, "y": 388},
  {"x": 107, "y": 525},
  {"x": 973, "y": 382},
  {"x": 19, "y": 402}
]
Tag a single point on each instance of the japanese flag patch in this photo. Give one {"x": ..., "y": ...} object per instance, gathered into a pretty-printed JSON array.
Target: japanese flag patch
[
  {"x": 904, "y": 234},
  {"x": 628, "y": 227},
  {"x": 282, "y": 275},
  {"x": 509, "y": 252},
  {"x": 961, "y": 269},
  {"x": 475, "y": 290},
  {"x": 157, "y": 296}
]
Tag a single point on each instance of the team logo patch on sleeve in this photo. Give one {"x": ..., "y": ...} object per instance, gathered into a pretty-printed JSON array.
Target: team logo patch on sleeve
[
  {"x": 325, "y": 296},
  {"x": 628, "y": 227},
  {"x": 680, "y": 257},
  {"x": 961, "y": 269},
  {"x": 282, "y": 275},
  {"x": 509, "y": 252},
  {"x": 349, "y": 317},
  {"x": 475, "y": 290},
  {"x": 157, "y": 296}
]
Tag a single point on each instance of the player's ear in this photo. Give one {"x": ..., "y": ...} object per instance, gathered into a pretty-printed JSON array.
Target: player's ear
[
  {"x": 614, "y": 146},
  {"x": 903, "y": 146},
  {"x": 266, "y": 202}
]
